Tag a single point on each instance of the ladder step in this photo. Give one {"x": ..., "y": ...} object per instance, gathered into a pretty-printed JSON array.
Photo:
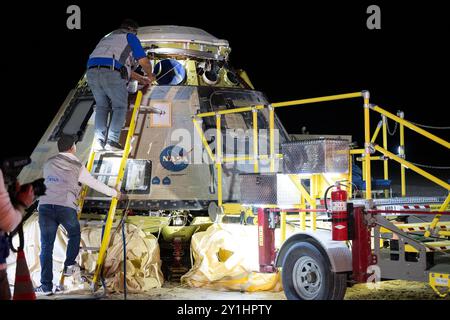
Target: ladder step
[
  {"x": 103, "y": 152},
  {"x": 94, "y": 223},
  {"x": 104, "y": 174},
  {"x": 90, "y": 249},
  {"x": 98, "y": 198}
]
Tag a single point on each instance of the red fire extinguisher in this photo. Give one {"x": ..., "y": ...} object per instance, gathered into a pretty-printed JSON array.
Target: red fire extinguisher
[{"x": 339, "y": 214}]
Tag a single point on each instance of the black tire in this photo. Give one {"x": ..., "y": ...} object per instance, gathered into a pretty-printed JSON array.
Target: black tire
[
  {"x": 318, "y": 281},
  {"x": 340, "y": 286}
]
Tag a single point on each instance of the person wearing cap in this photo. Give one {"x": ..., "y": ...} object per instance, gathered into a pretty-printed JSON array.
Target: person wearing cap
[
  {"x": 64, "y": 176},
  {"x": 109, "y": 69}
]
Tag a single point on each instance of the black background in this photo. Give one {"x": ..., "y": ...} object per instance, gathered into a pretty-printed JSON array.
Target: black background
[{"x": 290, "y": 50}]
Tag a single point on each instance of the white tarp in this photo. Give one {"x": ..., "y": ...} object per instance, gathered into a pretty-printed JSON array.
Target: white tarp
[
  {"x": 143, "y": 259},
  {"x": 226, "y": 258}
]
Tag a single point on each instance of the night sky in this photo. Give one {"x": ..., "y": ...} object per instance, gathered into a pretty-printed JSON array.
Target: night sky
[{"x": 290, "y": 50}]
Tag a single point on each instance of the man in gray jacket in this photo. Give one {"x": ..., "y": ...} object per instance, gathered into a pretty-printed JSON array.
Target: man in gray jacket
[
  {"x": 109, "y": 70},
  {"x": 64, "y": 175}
]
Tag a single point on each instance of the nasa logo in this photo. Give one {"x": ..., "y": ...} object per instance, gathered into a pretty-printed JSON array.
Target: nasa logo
[
  {"x": 174, "y": 158},
  {"x": 52, "y": 179}
]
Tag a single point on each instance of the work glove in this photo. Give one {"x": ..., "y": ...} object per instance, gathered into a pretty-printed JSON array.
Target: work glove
[
  {"x": 151, "y": 78},
  {"x": 144, "y": 81},
  {"x": 120, "y": 196},
  {"x": 123, "y": 196}
]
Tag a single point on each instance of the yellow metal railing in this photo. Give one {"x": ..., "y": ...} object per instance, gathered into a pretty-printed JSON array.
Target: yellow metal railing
[
  {"x": 219, "y": 159},
  {"x": 369, "y": 148},
  {"x": 400, "y": 158}
]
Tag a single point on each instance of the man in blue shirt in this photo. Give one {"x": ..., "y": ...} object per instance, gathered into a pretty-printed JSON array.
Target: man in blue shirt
[{"x": 109, "y": 70}]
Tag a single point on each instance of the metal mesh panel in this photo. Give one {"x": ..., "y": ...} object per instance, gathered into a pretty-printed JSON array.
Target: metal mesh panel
[
  {"x": 258, "y": 188},
  {"x": 315, "y": 156}
]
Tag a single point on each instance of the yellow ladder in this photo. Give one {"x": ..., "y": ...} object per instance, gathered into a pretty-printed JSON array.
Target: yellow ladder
[{"x": 112, "y": 208}]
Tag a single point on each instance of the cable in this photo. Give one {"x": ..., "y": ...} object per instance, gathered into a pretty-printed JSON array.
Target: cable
[
  {"x": 429, "y": 127},
  {"x": 429, "y": 166},
  {"x": 325, "y": 199},
  {"x": 391, "y": 133},
  {"x": 124, "y": 262}
]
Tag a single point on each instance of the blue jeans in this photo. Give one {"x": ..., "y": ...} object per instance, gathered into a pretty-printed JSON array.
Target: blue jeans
[
  {"x": 50, "y": 217},
  {"x": 111, "y": 96}
]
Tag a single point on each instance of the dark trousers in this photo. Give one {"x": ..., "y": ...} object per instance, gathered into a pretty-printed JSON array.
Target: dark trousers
[{"x": 50, "y": 217}]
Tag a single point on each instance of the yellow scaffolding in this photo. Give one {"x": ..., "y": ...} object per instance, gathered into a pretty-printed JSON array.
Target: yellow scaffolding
[
  {"x": 218, "y": 158},
  {"x": 405, "y": 164},
  {"x": 368, "y": 152}
]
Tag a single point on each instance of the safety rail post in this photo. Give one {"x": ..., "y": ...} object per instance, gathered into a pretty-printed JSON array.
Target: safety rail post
[
  {"x": 314, "y": 217},
  {"x": 283, "y": 225},
  {"x": 255, "y": 140},
  {"x": 385, "y": 146},
  {"x": 367, "y": 144},
  {"x": 302, "y": 213},
  {"x": 401, "y": 153},
  {"x": 363, "y": 166},
  {"x": 314, "y": 193},
  {"x": 350, "y": 177},
  {"x": 112, "y": 209},
  {"x": 272, "y": 138},
  {"x": 219, "y": 159}
]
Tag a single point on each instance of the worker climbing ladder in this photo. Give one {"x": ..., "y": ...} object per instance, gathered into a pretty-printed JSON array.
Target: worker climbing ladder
[{"x": 106, "y": 237}]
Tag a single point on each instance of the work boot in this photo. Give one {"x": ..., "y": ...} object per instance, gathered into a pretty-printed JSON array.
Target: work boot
[
  {"x": 71, "y": 270},
  {"x": 113, "y": 146}
]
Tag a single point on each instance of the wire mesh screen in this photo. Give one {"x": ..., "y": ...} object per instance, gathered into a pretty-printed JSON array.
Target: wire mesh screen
[
  {"x": 315, "y": 156},
  {"x": 258, "y": 188}
]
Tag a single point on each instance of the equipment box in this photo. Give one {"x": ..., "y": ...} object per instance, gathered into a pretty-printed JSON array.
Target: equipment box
[
  {"x": 268, "y": 189},
  {"x": 315, "y": 156}
]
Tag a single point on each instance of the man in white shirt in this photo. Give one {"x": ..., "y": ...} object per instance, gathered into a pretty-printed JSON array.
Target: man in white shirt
[{"x": 64, "y": 175}]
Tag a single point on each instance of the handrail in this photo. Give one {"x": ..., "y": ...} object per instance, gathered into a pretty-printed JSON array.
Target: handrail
[
  {"x": 411, "y": 126},
  {"x": 319, "y": 99},
  {"x": 229, "y": 111},
  {"x": 409, "y": 165}
]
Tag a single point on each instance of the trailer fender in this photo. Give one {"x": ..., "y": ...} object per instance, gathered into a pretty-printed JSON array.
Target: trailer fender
[{"x": 337, "y": 252}]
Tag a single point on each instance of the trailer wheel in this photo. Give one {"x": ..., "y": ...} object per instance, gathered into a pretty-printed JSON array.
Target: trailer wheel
[{"x": 306, "y": 275}]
